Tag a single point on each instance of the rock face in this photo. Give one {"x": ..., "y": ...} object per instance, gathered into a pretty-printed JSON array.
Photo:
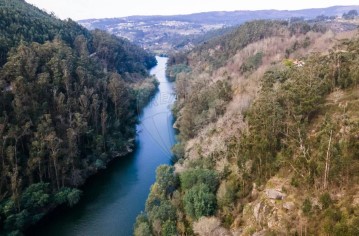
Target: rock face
[
  {"x": 256, "y": 211},
  {"x": 275, "y": 194},
  {"x": 254, "y": 193}
]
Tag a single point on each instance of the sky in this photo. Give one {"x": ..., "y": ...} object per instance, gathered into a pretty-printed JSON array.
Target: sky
[{"x": 87, "y": 9}]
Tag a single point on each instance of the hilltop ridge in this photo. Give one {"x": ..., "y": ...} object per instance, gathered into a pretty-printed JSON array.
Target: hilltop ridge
[{"x": 164, "y": 34}]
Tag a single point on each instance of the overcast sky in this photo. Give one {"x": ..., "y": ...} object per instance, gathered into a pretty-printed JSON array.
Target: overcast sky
[{"x": 85, "y": 9}]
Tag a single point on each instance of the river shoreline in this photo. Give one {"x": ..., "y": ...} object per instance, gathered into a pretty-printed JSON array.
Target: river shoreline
[
  {"x": 113, "y": 197},
  {"x": 53, "y": 210},
  {"x": 64, "y": 208}
]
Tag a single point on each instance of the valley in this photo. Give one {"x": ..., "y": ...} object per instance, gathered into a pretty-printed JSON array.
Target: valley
[{"x": 228, "y": 123}]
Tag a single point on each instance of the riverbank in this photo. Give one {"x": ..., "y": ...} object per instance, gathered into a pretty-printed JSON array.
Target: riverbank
[{"x": 113, "y": 198}]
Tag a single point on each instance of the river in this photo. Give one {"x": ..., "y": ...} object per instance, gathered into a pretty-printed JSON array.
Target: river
[{"x": 112, "y": 199}]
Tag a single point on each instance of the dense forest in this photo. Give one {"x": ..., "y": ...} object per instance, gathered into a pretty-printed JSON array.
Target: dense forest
[
  {"x": 68, "y": 103},
  {"x": 268, "y": 136}
]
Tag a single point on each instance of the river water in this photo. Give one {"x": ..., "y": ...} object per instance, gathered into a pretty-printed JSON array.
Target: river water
[{"x": 112, "y": 199}]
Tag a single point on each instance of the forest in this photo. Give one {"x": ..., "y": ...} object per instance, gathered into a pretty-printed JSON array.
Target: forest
[
  {"x": 268, "y": 136},
  {"x": 68, "y": 104}
]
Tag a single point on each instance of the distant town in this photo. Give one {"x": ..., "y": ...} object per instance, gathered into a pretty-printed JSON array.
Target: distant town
[{"x": 164, "y": 34}]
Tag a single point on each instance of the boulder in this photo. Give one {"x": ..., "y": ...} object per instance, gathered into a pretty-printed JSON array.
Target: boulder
[
  {"x": 289, "y": 206},
  {"x": 275, "y": 194},
  {"x": 260, "y": 233},
  {"x": 210, "y": 226}
]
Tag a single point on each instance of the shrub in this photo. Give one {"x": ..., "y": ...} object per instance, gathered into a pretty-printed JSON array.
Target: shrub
[
  {"x": 341, "y": 229},
  {"x": 178, "y": 151},
  {"x": 73, "y": 197},
  {"x": 69, "y": 195},
  {"x": 99, "y": 164},
  {"x": 307, "y": 206},
  {"x": 154, "y": 198},
  {"x": 199, "y": 201},
  {"x": 17, "y": 221},
  {"x": 35, "y": 196},
  {"x": 173, "y": 71},
  {"x": 252, "y": 63},
  {"x": 169, "y": 228},
  {"x": 230, "y": 194},
  {"x": 294, "y": 182},
  {"x": 354, "y": 227},
  {"x": 163, "y": 212},
  {"x": 325, "y": 200},
  {"x": 332, "y": 222},
  {"x": 143, "y": 229},
  {"x": 193, "y": 177},
  {"x": 166, "y": 179},
  {"x": 141, "y": 218}
]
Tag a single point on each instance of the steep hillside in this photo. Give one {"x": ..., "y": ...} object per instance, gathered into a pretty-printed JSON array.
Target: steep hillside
[
  {"x": 268, "y": 136},
  {"x": 164, "y": 34},
  {"x": 68, "y": 103}
]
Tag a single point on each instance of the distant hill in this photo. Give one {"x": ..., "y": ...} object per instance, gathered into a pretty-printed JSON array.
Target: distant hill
[
  {"x": 22, "y": 22},
  {"x": 166, "y": 33}
]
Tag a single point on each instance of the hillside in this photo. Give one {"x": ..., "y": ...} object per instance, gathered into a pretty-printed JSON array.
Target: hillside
[
  {"x": 163, "y": 34},
  {"x": 68, "y": 103},
  {"x": 268, "y": 136}
]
